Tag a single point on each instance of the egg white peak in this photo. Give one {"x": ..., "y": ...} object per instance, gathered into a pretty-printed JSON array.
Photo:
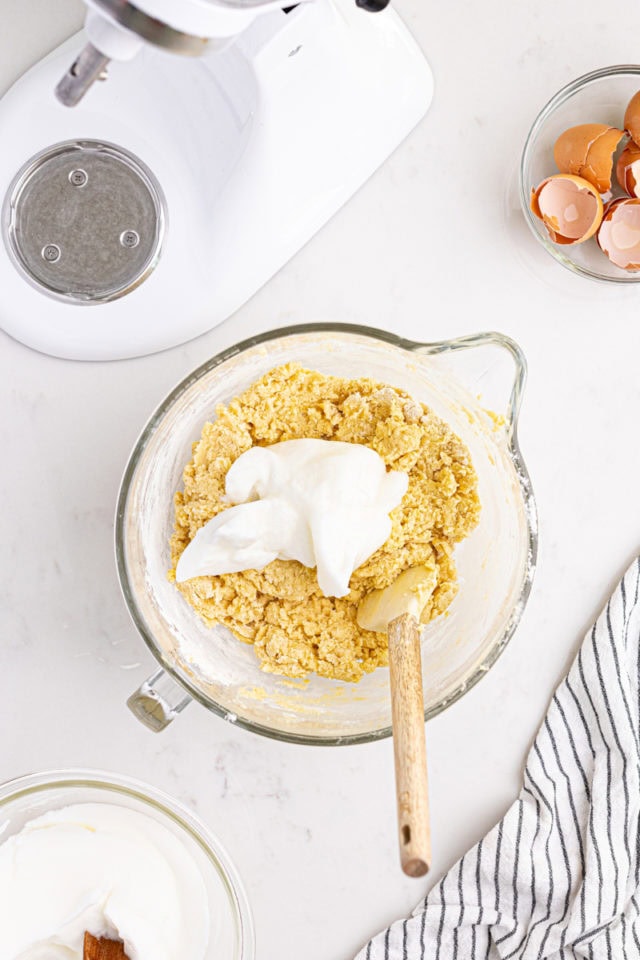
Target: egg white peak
[{"x": 324, "y": 503}]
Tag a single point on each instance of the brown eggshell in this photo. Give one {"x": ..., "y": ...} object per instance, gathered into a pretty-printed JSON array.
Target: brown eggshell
[
  {"x": 632, "y": 118},
  {"x": 587, "y": 151},
  {"x": 571, "y": 209},
  {"x": 628, "y": 169},
  {"x": 619, "y": 233}
]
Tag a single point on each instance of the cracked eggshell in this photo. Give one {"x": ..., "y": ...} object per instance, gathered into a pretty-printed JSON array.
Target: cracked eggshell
[
  {"x": 619, "y": 233},
  {"x": 628, "y": 169},
  {"x": 632, "y": 118},
  {"x": 587, "y": 151},
  {"x": 570, "y": 207}
]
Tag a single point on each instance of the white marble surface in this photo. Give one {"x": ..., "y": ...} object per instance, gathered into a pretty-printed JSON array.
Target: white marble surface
[{"x": 428, "y": 248}]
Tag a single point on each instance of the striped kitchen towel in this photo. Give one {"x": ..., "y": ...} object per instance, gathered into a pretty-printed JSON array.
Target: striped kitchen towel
[{"x": 559, "y": 876}]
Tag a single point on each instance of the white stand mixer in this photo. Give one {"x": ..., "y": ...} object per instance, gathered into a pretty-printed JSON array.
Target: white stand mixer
[{"x": 151, "y": 211}]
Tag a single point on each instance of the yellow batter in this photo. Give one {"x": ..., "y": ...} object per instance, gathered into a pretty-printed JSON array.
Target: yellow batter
[{"x": 295, "y": 629}]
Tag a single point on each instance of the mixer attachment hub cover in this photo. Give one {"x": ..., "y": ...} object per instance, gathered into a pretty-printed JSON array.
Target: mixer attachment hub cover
[{"x": 84, "y": 221}]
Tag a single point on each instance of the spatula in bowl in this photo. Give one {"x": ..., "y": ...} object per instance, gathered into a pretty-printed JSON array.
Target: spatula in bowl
[
  {"x": 397, "y": 609},
  {"x": 103, "y": 949}
]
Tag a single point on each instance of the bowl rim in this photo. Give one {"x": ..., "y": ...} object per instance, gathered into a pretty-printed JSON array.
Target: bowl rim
[
  {"x": 409, "y": 346},
  {"x": 563, "y": 94},
  {"x": 32, "y": 784}
]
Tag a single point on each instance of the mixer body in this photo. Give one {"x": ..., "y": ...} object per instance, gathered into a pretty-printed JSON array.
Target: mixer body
[{"x": 250, "y": 148}]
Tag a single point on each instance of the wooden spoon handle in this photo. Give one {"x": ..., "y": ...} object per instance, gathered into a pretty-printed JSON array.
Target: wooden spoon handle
[
  {"x": 102, "y": 949},
  {"x": 409, "y": 745}
]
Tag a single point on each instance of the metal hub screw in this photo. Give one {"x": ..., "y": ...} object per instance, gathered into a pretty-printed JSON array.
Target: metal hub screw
[
  {"x": 78, "y": 178},
  {"x": 51, "y": 253},
  {"x": 129, "y": 238}
]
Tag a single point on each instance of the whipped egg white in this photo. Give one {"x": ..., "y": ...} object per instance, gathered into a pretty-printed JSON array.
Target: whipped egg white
[
  {"x": 324, "y": 503},
  {"x": 105, "y": 869}
]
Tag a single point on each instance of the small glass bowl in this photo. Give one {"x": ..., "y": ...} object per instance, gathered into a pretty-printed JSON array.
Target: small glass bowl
[
  {"x": 598, "y": 97},
  {"x": 32, "y": 796}
]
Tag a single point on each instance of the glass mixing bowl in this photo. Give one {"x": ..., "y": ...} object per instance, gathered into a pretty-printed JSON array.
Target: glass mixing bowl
[
  {"x": 26, "y": 798},
  {"x": 495, "y": 563},
  {"x": 598, "y": 97}
]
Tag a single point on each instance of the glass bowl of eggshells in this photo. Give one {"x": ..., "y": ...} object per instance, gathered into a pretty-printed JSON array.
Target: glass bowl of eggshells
[
  {"x": 84, "y": 850},
  {"x": 600, "y": 97},
  {"x": 475, "y": 385}
]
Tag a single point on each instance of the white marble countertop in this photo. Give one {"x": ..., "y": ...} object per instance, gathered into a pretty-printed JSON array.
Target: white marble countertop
[{"x": 427, "y": 249}]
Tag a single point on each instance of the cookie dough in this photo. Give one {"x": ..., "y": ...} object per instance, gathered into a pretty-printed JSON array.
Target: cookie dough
[{"x": 294, "y": 629}]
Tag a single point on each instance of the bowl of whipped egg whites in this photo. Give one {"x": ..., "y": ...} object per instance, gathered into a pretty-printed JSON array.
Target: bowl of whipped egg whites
[{"x": 90, "y": 860}]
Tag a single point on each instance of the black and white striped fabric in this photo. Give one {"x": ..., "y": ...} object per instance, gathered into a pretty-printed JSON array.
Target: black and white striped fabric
[{"x": 559, "y": 876}]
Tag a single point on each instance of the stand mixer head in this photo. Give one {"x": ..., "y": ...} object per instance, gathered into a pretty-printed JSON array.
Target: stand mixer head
[
  {"x": 117, "y": 29},
  {"x": 168, "y": 196}
]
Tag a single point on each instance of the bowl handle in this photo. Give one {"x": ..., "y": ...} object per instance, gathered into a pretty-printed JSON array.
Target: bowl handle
[
  {"x": 158, "y": 701},
  {"x": 491, "y": 339}
]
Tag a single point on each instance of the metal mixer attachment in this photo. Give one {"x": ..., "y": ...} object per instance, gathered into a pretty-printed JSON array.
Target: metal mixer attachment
[{"x": 84, "y": 221}]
